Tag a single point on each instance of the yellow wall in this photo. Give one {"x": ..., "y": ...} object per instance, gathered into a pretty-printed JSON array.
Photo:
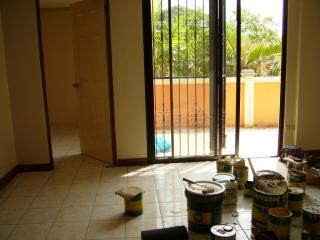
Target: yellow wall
[
  {"x": 24, "y": 77},
  {"x": 7, "y": 150},
  {"x": 58, "y": 47},
  {"x": 266, "y": 104},
  {"x": 128, "y": 78}
]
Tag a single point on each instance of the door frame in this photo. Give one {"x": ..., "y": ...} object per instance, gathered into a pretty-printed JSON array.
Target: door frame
[
  {"x": 110, "y": 82},
  {"x": 149, "y": 95}
]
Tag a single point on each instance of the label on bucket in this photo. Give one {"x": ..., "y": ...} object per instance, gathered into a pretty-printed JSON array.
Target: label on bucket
[
  {"x": 133, "y": 206},
  {"x": 202, "y": 218}
]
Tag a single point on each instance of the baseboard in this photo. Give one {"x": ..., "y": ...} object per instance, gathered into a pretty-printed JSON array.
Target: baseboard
[
  {"x": 24, "y": 168},
  {"x": 8, "y": 177},
  {"x": 132, "y": 162},
  {"x": 35, "y": 167}
]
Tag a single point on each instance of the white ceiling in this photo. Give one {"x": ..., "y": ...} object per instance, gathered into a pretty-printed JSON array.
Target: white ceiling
[{"x": 56, "y": 3}]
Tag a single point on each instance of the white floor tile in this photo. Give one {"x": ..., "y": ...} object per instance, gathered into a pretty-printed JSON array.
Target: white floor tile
[
  {"x": 106, "y": 229},
  {"x": 30, "y": 232}
]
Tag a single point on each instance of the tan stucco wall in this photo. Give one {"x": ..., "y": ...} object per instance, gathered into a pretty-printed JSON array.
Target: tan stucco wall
[
  {"x": 128, "y": 78},
  {"x": 266, "y": 104},
  {"x": 302, "y": 115},
  {"x": 24, "y": 78},
  {"x": 56, "y": 25},
  {"x": 308, "y": 114},
  {"x": 7, "y": 150}
]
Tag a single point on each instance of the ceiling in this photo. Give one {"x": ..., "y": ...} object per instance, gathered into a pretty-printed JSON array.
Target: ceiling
[{"x": 56, "y": 3}]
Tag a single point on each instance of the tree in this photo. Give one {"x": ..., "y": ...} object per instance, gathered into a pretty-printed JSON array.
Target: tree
[{"x": 261, "y": 46}]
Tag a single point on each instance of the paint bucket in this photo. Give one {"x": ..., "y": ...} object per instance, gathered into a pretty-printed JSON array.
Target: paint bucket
[
  {"x": 228, "y": 180},
  {"x": 311, "y": 219},
  {"x": 204, "y": 209},
  {"x": 248, "y": 189},
  {"x": 295, "y": 201},
  {"x": 238, "y": 162},
  {"x": 177, "y": 233},
  {"x": 269, "y": 191},
  {"x": 223, "y": 232},
  {"x": 297, "y": 179},
  {"x": 134, "y": 206},
  {"x": 279, "y": 221},
  {"x": 241, "y": 174},
  {"x": 266, "y": 235},
  {"x": 224, "y": 165}
]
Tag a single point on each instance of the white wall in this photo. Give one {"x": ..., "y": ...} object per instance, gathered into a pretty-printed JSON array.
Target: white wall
[
  {"x": 7, "y": 150},
  {"x": 24, "y": 78},
  {"x": 128, "y": 78},
  {"x": 303, "y": 84},
  {"x": 56, "y": 25}
]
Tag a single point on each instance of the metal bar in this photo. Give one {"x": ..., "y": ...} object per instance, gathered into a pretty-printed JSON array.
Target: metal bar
[
  {"x": 215, "y": 75},
  {"x": 238, "y": 78},
  {"x": 170, "y": 72},
  {"x": 154, "y": 70},
  {"x": 162, "y": 74},
  {"x": 220, "y": 66},
  {"x": 203, "y": 82},
  {"x": 283, "y": 74},
  {"x": 195, "y": 79},
  {"x": 187, "y": 53},
  {"x": 179, "y": 71},
  {"x": 147, "y": 40}
]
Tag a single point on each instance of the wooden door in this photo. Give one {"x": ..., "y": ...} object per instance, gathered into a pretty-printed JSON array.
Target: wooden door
[{"x": 92, "y": 76}]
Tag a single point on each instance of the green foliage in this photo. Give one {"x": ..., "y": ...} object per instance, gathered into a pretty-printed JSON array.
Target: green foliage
[{"x": 261, "y": 46}]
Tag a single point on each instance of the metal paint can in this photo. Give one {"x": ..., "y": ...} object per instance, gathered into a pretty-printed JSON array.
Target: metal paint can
[
  {"x": 241, "y": 174},
  {"x": 311, "y": 219},
  {"x": 223, "y": 232},
  {"x": 297, "y": 179},
  {"x": 279, "y": 221},
  {"x": 134, "y": 206},
  {"x": 228, "y": 180},
  {"x": 204, "y": 210},
  {"x": 266, "y": 198},
  {"x": 224, "y": 165},
  {"x": 248, "y": 189},
  {"x": 295, "y": 201}
]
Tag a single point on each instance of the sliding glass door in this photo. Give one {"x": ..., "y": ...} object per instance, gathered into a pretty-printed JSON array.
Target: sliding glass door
[{"x": 194, "y": 81}]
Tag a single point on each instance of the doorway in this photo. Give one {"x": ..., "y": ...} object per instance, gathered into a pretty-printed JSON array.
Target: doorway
[
  {"x": 214, "y": 77},
  {"x": 78, "y": 75}
]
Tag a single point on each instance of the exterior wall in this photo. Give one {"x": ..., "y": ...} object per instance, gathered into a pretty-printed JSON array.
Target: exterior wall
[
  {"x": 264, "y": 106},
  {"x": 59, "y": 66},
  {"x": 7, "y": 150},
  {"x": 24, "y": 78}
]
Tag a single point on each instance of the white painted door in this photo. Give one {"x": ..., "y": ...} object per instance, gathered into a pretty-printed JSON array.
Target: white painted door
[{"x": 92, "y": 75}]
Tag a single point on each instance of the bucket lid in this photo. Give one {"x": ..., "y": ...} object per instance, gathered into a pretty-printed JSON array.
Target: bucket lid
[
  {"x": 295, "y": 190},
  {"x": 280, "y": 212},
  {"x": 313, "y": 209},
  {"x": 197, "y": 188},
  {"x": 223, "y": 231},
  {"x": 223, "y": 177},
  {"x": 270, "y": 182}
]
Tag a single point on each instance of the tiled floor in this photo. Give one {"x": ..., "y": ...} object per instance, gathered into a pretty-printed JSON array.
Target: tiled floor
[{"x": 77, "y": 200}]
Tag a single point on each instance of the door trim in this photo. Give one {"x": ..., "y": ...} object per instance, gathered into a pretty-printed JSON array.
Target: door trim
[
  {"x": 148, "y": 76},
  {"x": 43, "y": 81},
  {"x": 283, "y": 75},
  {"x": 110, "y": 82}
]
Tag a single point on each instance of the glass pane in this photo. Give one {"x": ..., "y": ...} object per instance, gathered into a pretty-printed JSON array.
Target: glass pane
[{"x": 261, "y": 36}]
